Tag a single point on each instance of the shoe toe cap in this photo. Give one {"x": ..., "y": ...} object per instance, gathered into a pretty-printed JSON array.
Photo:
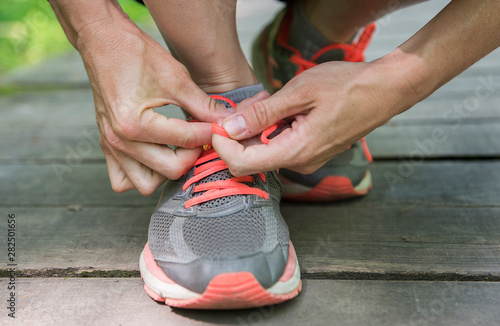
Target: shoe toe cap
[{"x": 267, "y": 268}]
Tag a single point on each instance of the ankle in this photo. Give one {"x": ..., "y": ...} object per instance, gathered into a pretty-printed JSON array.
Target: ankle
[
  {"x": 333, "y": 30},
  {"x": 224, "y": 78}
]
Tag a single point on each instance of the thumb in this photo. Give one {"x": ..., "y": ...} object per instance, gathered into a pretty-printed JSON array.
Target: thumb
[{"x": 254, "y": 117}]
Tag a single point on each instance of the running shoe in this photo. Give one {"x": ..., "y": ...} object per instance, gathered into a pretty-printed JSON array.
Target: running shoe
[
  {"x": 219, "y": 242},
  {"x": 275, "y": 62}
]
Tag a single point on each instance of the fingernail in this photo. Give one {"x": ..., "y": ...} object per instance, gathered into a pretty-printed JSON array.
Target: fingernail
[{"x": 235, "y": 126}]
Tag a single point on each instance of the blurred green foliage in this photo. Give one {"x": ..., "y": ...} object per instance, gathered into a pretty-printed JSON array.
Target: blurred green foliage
[{"x": 29, "y": 31}]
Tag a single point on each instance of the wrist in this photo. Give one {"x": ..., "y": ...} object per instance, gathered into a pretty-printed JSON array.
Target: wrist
[
  {"x": 410, "y": 77},
  {"x": 76, "y": 16}
]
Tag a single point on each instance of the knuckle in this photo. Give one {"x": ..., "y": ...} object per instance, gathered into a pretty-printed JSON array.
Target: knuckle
[
  {"x": 302, "y": 94},
  {"x": 304, "y": 165},
  {"x": 102, "y": 143},
  {"x": 212, "y": 105},
  {"x": 236, "y": 169},
  {"x": 126, "y": 128},
  {"x": 185, "y": 138},
  {"x": 307, "y": 169},
  {"x": 174, "y": 172},
  {"x": 147, "y": 189},
  {"x": 182, "y": 73},
  {"x": 112, "y": 139},
  {"x": 299, "y": 90},
  {"x": 259, "y": 115},
  {"x": 182, "y": 76},
  {"x": 118, "y": 187}
]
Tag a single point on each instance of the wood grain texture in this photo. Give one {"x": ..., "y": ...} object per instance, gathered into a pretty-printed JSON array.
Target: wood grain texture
[
  {"x": 464, "y": 138},
  {"x": 123, "y": 302},
  {"x": 401, "y": 182},
  {"x": 329, "y": 239}
]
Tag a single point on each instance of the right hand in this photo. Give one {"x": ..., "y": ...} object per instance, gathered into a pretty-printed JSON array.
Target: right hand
[{"x": 130, "y": 74}]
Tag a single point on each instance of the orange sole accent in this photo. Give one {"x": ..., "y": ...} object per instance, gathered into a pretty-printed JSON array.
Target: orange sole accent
[
  {"x": 230, "y": 291},
  {"x": 237, "y": 290},
  {"x": 332, "y": 188}
]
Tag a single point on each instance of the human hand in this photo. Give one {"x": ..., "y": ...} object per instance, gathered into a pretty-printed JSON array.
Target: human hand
[
  {"x": 130, "y": 74},
  {"x": 331, "y": 106}
]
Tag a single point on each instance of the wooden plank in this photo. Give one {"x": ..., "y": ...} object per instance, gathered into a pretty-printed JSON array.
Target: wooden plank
[
  {"x": 100, "y": 238},
  {"x": 394, "y": 140},
  {"x": 43, "y": 109},
  {"x": 450, "y": 111},
  {"x": 477, "y": 86},
  {"x": 64, "y": 71},
  {"x": 416, "y": 142},
  {"x": 49, "y": 144},
  {"x": 51, "y": 126},
  {"x": 406, "y": 241},
  {"x": 62, "y": 184},
  {"x": 402, "y": 182},
  {"x": 124, "y": 302},
  {"x": 74, "y": 108},
  {"x": 61, "y": 109},
  {"x": 409, "y": 241}
]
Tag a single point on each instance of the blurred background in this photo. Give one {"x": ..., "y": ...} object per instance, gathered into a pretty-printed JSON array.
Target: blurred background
[{"x": 30, "y": 32}]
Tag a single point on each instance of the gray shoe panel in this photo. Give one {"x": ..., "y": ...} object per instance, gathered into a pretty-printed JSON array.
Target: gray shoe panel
[
  {"x": 352, "y": 164},
  {"x": 195, "y": 276}
]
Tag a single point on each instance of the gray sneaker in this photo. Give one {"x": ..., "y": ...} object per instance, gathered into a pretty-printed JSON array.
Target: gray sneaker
[
  {"x": 219, "y": 242},
  {"x": 275, "y": 62}
]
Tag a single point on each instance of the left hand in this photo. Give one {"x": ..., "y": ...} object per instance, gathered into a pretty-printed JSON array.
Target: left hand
[{"x": 332, "y": 105}]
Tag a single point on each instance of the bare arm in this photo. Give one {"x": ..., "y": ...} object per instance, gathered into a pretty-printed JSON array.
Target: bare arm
[
  {"x": 130, "y": 74},
  {"x": 461, "y": 34},
  {"x": 337, "y": 103}
]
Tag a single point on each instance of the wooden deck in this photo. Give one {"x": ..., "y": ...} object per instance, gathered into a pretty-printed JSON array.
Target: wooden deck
[{"x": 423, "y": 248}]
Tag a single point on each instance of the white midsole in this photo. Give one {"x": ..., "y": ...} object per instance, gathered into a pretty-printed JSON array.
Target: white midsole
[
  {"x": 365, "y": 183},
  {"x": 287, "y": 286},
  {"x": 175, "y": 291},
  {"x": 164, "y": 290}
]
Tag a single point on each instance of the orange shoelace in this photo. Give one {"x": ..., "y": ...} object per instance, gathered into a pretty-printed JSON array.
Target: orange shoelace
[
  {"x": 353, "y": 52},
  {"x": 209, "y": 163}
]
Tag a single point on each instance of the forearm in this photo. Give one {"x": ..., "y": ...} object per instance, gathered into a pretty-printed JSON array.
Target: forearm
[
  {"x": 460, "y": 35},
  {"x": 75, "y": 15}
]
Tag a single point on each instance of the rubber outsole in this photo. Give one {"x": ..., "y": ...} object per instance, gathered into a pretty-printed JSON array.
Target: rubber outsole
[
  {"x": 331, "y": 188},
  {"x": 236, "y": 290}
]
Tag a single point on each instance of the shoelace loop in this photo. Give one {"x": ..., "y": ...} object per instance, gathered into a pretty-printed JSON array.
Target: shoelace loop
[{"x": 209, "y": 163}]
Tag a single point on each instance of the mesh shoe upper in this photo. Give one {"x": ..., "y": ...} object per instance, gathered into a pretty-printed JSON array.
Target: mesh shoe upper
[{"x": 240, "y": 232}]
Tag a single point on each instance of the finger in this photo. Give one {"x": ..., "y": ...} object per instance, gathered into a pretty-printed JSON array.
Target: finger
[
  {"x": 260, "y": 115},
  {"x": 142, "y": 177},
  {"x": 251, "y": 100},
  {"x": 169, "y": 163},
  {"x": 117, "y": 177},
  {"x": 162, "y": 159},
  {"x": 158, "y": 129},
  {"x": 253, "y": 159},
  {"x": 126, "y": 173},
  {"x": 200, "y": 105}
]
